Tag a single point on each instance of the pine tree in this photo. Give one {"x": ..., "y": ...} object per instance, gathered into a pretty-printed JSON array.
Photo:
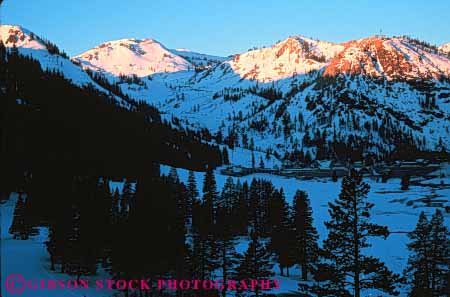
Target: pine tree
[
  {"x": 225, "y": 156},
  {"x": 72, "y": 258},
  {"x": 254, "y": 208},
  {"x": 228, "y": 258},
  {"x": 334, "y": 177},
  {"x": 429, "y": 262},
  {"x": 114, "y": 208},
  {"x": 261, "y": 163},
  {"x": 405, "y": 182},
  {"x": 240, "y": 210},
  {"x": 21, "y": 227},
  {"x": 253, "y": 161},
  {"x": 51, "y": 245},
  {"x": 306, "y": 235},
  {"x": 210, "y": 196},
  {"x": 286, "y": 125},
  {"x": 440, "y": 253},
  {"x": 228, "y": 195},
  {"x": 419, "y": 263},
  {"x": 204, "y": 215},
  {"x": 308, "y": 158},
  {"x": 173, "y": 175},
  {"x": 192, "y": 194},
  {"x": 204, "y": 249},
  {"x": 256, "y": 263},
  {"x": 252, "y": 144},
  {"x": 268, "y": 154},
  {"x": 244, "y": 140},
  {"x": 281, "y": 231},
  {"x": 127, "y": 199},
  {"x": 192, "y": 186},
  {"x": 179, "y": 232},
  {"x": 349, "y": 230}
]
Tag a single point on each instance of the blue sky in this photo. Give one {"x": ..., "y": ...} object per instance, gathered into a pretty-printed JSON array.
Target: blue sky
[{"x": 225, "y": 27}]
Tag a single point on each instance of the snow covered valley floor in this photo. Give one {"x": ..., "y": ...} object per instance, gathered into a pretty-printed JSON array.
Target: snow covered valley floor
[{"x": 397, "y": 209}]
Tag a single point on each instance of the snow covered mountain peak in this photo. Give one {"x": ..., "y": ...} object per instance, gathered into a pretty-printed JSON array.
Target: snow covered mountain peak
[
  {"x": 320, "y": 49},
  {"x": 12, "y": 35},
  {"x": 445, "y": 48},
  {"x": 49, "y": 56},
  {"x": 141, "y": 57},
  {"x": 287, "y": 58},
  {"x": 394, "y": 57}
]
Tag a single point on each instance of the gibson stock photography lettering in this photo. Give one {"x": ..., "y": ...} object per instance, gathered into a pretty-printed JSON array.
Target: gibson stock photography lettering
[{"x": 224, "y": 148}]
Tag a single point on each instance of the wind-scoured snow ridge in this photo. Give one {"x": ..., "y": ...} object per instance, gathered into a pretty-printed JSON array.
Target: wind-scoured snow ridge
[
  {"x": 391, "y": 58},
  {"x": 141, "y": 57},
  {"x": 48, "y": 55}
]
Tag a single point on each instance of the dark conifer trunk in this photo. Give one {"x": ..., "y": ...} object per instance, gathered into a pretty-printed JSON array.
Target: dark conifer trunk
[{"x": 356, "y": 249}]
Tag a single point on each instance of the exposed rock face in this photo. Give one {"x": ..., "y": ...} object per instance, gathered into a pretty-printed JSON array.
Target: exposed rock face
[{"x": 388, "y": 57}]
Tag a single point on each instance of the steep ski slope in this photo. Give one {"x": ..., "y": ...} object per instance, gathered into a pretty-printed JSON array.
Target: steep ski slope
[{"x": 132, "y": 56}]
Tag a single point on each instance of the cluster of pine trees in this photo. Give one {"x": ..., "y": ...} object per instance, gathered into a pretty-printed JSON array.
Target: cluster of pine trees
[
  {"x": 157, "y": 227},
  {"x": 309, "y": 54},
  {"x": 131, "y": 79},
  {"x": 278, "y": 233},
  {"x": 428, "y": 271},
  {"x": 47, "y": 121},
  {"x": 270, "y": 93},
  {"x": 344, "y": 268},
  {"x": 348, "y": 137}
]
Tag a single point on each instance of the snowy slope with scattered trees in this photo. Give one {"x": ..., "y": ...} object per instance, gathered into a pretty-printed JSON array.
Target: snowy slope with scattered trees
[
  {"x": 48, "y": 55},
  {"x": 299, "y": 99},
  {"x": 200, "y": 61},
  {"x": 307, "y": 97}
]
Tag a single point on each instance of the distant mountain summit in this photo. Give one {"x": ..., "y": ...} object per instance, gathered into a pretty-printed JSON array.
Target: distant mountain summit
[
  {"x": 141, "y": 57},
  {"x": 290, "y": 57},
  {"x": 48, "y": 55},
  {"x": 295, "y": 55},
  {"x": 378, "y": 56},
  {"x": 445, "y": 48},
  {"x": 17, "y": 36}
]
